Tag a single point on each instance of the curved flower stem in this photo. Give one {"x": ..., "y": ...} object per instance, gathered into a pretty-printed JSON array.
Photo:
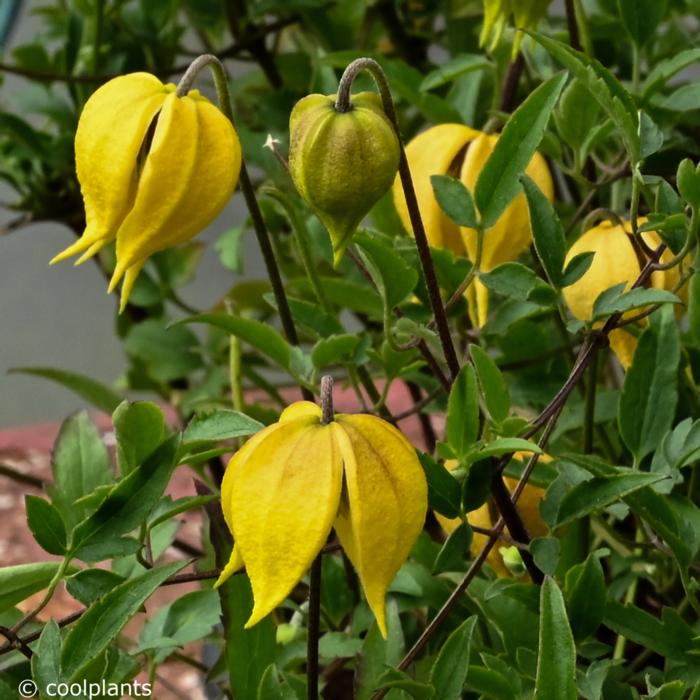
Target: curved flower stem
[
  {"x": 343, "y": 105},
  {"x": 261, "y": 232}
]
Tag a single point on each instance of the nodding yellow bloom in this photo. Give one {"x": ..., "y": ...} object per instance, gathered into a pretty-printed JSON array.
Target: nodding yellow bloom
[
  {"x": 457, "y": 150},
  {"x": 615, "y": 261},
  {"x": 486, "y": 517},
  {"x": 526, "y": 14},
  {"x": 154, "y": 170},
  {"x": 293, "y": 481}
]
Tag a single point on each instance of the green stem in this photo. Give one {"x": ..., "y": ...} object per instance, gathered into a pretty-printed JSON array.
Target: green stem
[
  {"x": 53, "y": 584},
  {"x": 261, "y": 232},
  {"x": 99, "y": 21},
  {"x": 585, "y": 35},
  {"x": 343, "y": 105},
  {"x": 636, "y": 61}
]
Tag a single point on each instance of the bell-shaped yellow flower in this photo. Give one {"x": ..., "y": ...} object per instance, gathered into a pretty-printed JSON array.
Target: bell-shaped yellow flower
[
  {"x": 154, "y": 170},
  {"x": 615, "y": 261},
  {"x": 293, "y": 481},
  {"x": 457, "y": 150}
]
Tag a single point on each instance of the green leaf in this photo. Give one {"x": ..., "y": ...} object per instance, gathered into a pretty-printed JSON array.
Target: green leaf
[
  {"x": 168, "y": 508},
  {"x": 450, "y": 668},
  {"x": 338, "y": 645},
  {"x": 666, "y": 69},
  {"x": 139, "y": 428},
  {"x": 510, "y": 279},
  {"x": 688, "y": 179},
  {"x": 602, "y": 86},
  {"x": 586, "y": 594},
  {"x": 334, "y": 350},
  {"x": 455, "y": 200},
  {"x": 220, "y": 424},
  {"x": 128, "y": 503},
  {"x": 80, "y": 464},
  {"x": 615, "y": 300},
  {"x": 90, "y": 584},
  {"x": 463, "y": 412},
  {"x": 547, "y": 232},
  {"x": 650, "y": 393},
  {"x": 230, "y": 249},
  {"x": 444, "y": 493},
  {"x": 669, "y": 636},
  {"x": 453, "y": 552},
  {"x": 401, "y": 681},
  {"x": 95, "y": 393},
  {"x": 453, "y": 69},
  {"x": 46, "y": 525},
  {"x": 641, "y": 17},
  {"x": 489, "y": 683},
  {"x": 694, "y": 307},
  {"x": 502, "y": 446},
  {"x": 187, "y": 619},
  {"x": 168, "y": 353},
  {"x": 46, "y": 662},
  {"x": 392, "y": 275},
  {"x": 499, "y": 180},
  {"x": 651, "y": 138},
  {"x": 493, "y": 384},
  {"x": 599, "y": 492},
  {"x": 19, "y": 582},
  {"x": 260, "y": 335},
  {"x": 248, "y": 652},
  {"x": 577, "y": 268},
  {"x": 345, "y": 294},
  {"x": 556, "y": 660},
  {"x": 103, "y": 621},
  {"x": 577, "y": 115},
  {"x": 314, "y": 318},
  {"x": 545, "y": 551}
]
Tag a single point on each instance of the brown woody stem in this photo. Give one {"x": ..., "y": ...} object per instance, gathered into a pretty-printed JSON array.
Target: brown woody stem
[{"x": 343, "y": 105}]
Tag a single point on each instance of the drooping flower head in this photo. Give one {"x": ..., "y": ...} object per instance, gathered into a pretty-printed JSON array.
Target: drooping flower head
[
  {"x": 154, "y": 170},
  {"x": 342, "y": 162},
  {"x": 292, "y": 482},
  {"x": 615, "y": 261},
  {"x": 457, "y": 150}
]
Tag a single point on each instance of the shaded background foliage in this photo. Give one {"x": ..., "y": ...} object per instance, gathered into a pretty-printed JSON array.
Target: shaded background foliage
[{"x": 623, "y": 542}]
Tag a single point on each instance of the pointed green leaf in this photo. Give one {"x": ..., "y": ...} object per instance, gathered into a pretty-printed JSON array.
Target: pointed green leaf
[{"x": 499, "y": 181}]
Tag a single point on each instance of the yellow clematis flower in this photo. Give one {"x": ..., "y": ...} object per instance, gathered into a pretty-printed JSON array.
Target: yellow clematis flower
[
  {"x": 615, "y": 262},
  {"x": 454, "y": 149},
  {"x": 154, "y": 170},
  {"x": 293, "y": 481}
]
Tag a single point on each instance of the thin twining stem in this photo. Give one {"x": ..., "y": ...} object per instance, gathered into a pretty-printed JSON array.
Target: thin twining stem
[
  {"x": 261, "y": 232},
  {"x": 343, "y": 105}
]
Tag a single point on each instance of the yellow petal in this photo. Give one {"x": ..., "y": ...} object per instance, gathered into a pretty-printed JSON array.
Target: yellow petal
[
  {"x": 623, "y": 344},
  {"x": 235, "y": 563},
  {"x": 384, "y": 503},
  {"x": 284, "y": 498},
  {"x": 190, "y": 173},
  {"x": 111, "y": 130},
  {"x": 433, "y": 152},
  {"x": 615, "y": 262},
  {"x": 300, "y": 409}
]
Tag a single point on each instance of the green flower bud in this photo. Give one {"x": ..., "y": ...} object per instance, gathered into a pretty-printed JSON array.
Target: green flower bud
[{"x": 342, "y": 162}]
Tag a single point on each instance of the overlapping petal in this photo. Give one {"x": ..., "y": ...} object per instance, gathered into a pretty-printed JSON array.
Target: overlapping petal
[
  {"x": 110, "y": 132},
  {"x": 284, "y": 496},
  {"x": 384, "y": 503},
  {"x": 433, "y": 152}
]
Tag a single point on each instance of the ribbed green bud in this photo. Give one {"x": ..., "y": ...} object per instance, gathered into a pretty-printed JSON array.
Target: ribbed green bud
[{"x": 342, "y": 162}]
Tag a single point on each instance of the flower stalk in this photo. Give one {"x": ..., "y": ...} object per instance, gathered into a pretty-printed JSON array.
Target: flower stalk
[
  {"x": 343, "y": 105},
  {"x": 261, "y": 232}
]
